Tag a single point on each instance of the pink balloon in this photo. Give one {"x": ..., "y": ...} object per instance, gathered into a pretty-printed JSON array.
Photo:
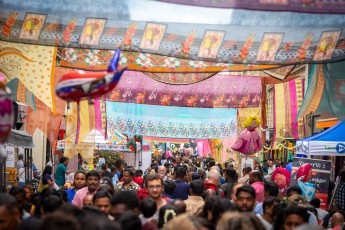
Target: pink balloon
[{"x": 249, "y": 142}]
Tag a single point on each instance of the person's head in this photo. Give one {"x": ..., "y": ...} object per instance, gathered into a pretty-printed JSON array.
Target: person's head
[
  {"x": 337, "y": 220},
  {"x": 47, "y": 170},
  {"x": 271, "y": 189},
  {"x": 59, "y": 220},
  {"x": 181, "y": 172},
  {"x": 342, "y": 175},
  {"x": 19, "y": 194},
  {"x": 123, "y": 201},
  {"x": 138, "y": 173},
  {"x": 9, "y": 212},
  {"x": 128, "y": 175},
  {"x": 20, "y": 157},
  {"x": 64, "y": 160},
  {"x": 202, "y": 174},
  {"x": 196, "y": 188},
  {"x": 245, "y": 198},
  {"x": 166, "y": 213},
  {"x": 315, "y": 202},
  {"x": 51, "y": 203},
  {"x": 255, "y": 176},
  {"x": 129, "y": 221},
  {"x": 235, "y": 220},
  {"x": 293, "y": 190},
  {"x": 213, "y": 177},
  {"x": 179, "y": 205},
  {"x": 246, "y": 170},
  {"x": 154, "y": 185},
  {"x": 269, "y": 204},
  {"x": 162, "y": 171},
  {"x": 102, "y": 201},
  {"x": 234, "y": 190},
  {"x": 294, "y": 216},
  {"x": 184, "y": 221},
  {"x": 88, "y": 200},
  {"x": 101, "y": 173},
  {"x": 298, "y": 200},
  {"x": 169, "y": 187},
  {"x": 148, "y": 207},
  {"x": 230, "y": 175},
  {"x": 92, "y": 180},
  {"x": 28, "y": 192},
  {"x": 104, "y": 166},
  {"x": 79, "y": 179}
]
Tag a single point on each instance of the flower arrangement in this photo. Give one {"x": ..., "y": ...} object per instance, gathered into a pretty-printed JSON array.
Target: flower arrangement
[
  {"x": 66, "y": 38},
  {"x": 127, "y": 37},
  {"x": 302, "y": 50},
  {"x": 246, "y": 47},
  {"x": 6, "y": 30},
  {"x": 188, "y": 42}
]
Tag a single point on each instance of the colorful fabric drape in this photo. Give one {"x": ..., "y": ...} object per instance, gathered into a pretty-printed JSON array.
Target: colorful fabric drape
[
  {"x": 171, "y": 121},
  {"x": 335, "y": 88},
  {"x": 178, "y": 70},
  {"x": 314, "y": 91},
  {"x": 33, "y": 65},
  {"x": 23, "y": 95},
  {"x": 317, "y": 6},
  {"x": 260, "y": 38},
  {"x": 288, "y": 98},
  {"x": 222, "y": 90}
]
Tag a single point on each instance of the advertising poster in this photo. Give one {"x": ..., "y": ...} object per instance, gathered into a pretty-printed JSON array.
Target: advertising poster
[{"x": 321, "y": 171}]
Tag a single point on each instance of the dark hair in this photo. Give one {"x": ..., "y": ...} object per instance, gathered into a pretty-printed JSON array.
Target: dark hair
[
  {"x": 128, "y": 198},
  {"x": 63, "y": 195},
  {"x": 30, "y": 224},
  {"x": 294, "y": 188},
  {"x": 47, "y": 170},
  {"x": 197, "y": 186},
  {"x": 269, "y": 201},
  {"x": 138, "y": 172},
  {"x": 164, "y": 217},
  {"x": 181, "y": 172},
  {"x": 79, "y": 172},
  {"x": 211, "y": 163},
  {"x": 169, "y": 187},
  {"x": 129, "y": 221},
  {"x": 220, "y": 206},
  {"x": 294, "y": 209},
  {"x": 257, "y": 174},
  {"x": 208, "y": 206},
  {"x": 93, "y": 173},
  {"x": 153, "y": 176},
  {"x": 148, "y": 207},
  {"x": 246, "y": 188},
  {"x": 247, "y": 169},
  {"x": 315, "y": 202},
  {"x": 129, "y": 170},
  {"x": 63, "y": 159},
  {"x": 230, "y": 172},
  {"x": 9, "y": 202},
  {"x": 51, "y": 203},
  {"x": 271, "y": 188},
  {"x": 101, "y": 194},
  {"x": 58, "y": 220},
  {"x": 16, "y": 190}
]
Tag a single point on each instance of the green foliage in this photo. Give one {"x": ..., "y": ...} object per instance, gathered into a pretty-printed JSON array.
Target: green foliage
[{"x": 110, "y": 156}]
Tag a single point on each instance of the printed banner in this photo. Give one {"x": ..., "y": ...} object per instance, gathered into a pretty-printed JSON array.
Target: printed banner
[
  {"x": 171, "y": 121},
  {"x": 220, "y": 91},
  {"x": 235, "y": 40},
  {"x": 321, "y": 171}
]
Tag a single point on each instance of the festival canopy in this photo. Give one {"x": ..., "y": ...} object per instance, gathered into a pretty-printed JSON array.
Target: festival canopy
[{"x": 327, "y": 143}]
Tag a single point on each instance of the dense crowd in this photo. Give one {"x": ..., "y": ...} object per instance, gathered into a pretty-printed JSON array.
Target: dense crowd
[{"x": 173, "y": 193}]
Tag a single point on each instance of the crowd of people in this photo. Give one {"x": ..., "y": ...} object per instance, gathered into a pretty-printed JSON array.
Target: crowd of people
[{"x": 173, "y": 193}]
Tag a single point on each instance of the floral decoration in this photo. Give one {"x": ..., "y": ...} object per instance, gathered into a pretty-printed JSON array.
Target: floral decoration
[
  {"x": 246, "y": 47},
  {"x": 188, "y": 42},
  {"x": 66, "y": 37},
  {"x": 302, "y": 50},
  {"x": 6, "y": 30},
  {"x": 140, "y": 98},
  {"x": 192, "y": 100},
  {"x": 128, "y": 36}
]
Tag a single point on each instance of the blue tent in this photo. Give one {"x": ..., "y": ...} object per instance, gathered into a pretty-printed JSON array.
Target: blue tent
[{"x": 330, "y": 142}]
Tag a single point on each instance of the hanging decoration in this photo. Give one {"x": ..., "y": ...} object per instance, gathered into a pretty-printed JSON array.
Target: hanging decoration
[
  {"x": 303, "y": 178},
  {"x": 6, "y": 110},
  {"x": 249, "y": 141},
  {"x": 282, "y": 177}
]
